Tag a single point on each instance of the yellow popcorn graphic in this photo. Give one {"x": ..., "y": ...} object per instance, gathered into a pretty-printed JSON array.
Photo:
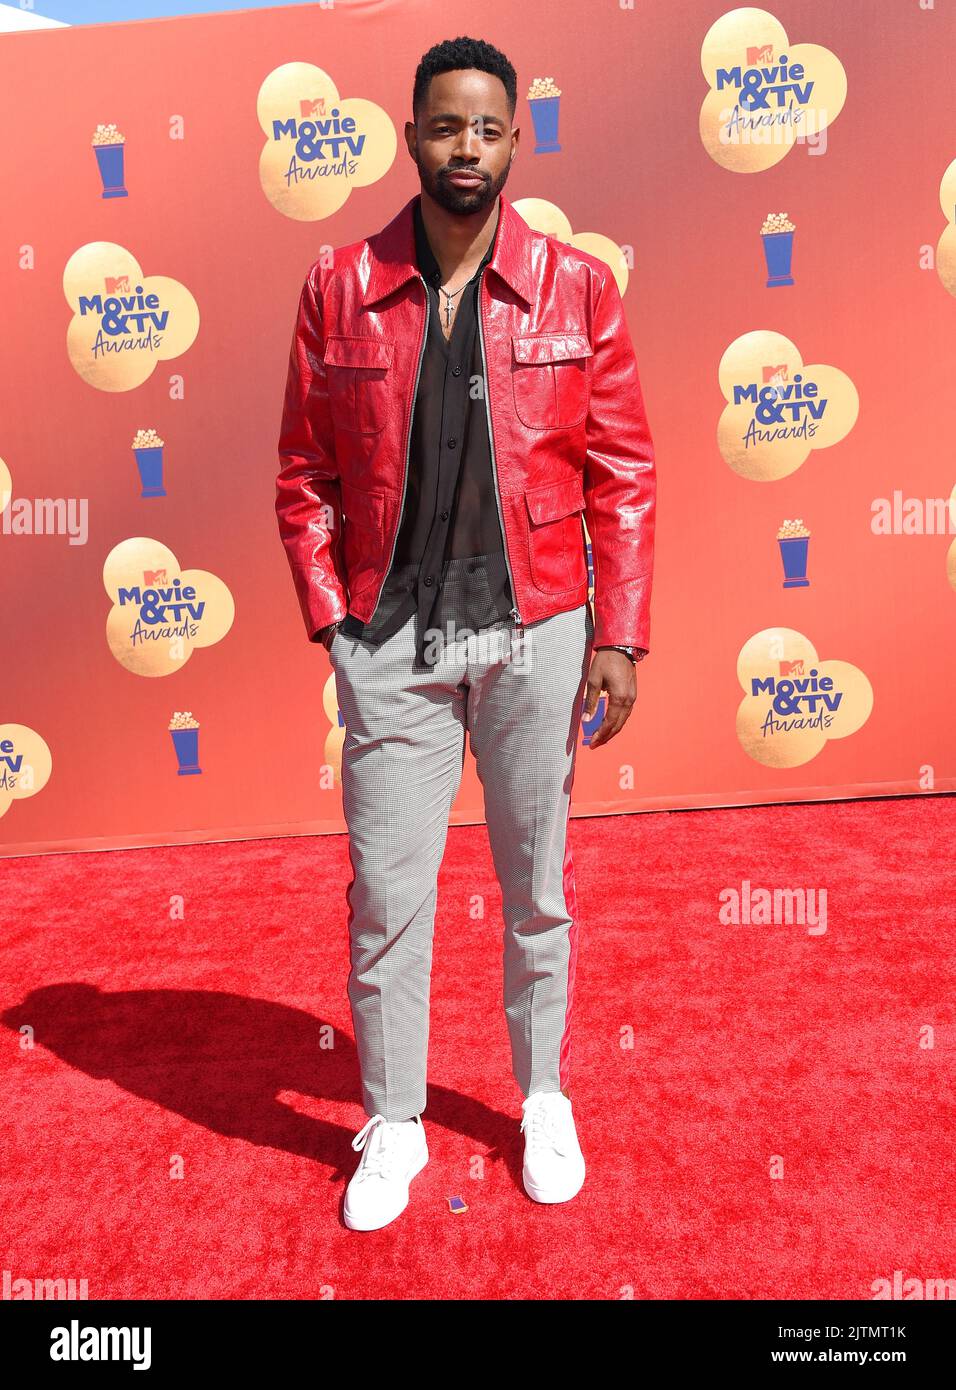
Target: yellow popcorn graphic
[
  {"x": 147, "y": 439},
  {"x": 108, "y": 135},
  {"x": 543, "y": 87},
  {"x": 776, "y": 222}
]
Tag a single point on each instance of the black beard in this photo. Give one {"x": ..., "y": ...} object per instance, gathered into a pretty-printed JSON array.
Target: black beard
[{"x": 462, "y": 201}]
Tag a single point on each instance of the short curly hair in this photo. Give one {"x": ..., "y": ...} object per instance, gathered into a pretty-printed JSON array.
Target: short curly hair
[{"x": 451, "y": 54}]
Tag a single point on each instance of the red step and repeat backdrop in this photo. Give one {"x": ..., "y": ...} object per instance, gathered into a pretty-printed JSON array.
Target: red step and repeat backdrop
[{"x": 775, "y": 191}]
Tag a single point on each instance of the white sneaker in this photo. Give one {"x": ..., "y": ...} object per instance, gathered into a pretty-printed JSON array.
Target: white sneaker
[
  {"x": 393, "y": 1154},
  {"x": 553, "y": 1162}
]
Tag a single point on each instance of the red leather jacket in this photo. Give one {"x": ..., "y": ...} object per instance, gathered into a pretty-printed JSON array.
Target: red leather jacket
[{"x": 566, "y": 416}]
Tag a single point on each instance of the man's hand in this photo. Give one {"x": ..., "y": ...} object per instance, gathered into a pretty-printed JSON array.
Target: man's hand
[{"x": 614, "y": 672}]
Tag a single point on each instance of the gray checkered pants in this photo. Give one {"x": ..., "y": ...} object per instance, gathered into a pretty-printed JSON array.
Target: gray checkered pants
[{"x": 402, "y": 760}]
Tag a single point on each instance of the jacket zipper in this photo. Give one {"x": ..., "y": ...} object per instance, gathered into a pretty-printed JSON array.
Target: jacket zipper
[
  {"x": 516, "y": 616},
  {"x": 408, "y": 448}
]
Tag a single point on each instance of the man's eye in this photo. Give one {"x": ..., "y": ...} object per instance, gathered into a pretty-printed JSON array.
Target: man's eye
[{"x": 486, "y": 133}]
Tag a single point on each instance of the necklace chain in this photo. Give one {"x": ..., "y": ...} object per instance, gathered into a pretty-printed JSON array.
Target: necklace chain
[{"x": 448, "y": 298}]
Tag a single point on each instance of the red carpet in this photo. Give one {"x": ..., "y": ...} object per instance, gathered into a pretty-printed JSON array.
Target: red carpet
[{"x": 206, "y": 1036}]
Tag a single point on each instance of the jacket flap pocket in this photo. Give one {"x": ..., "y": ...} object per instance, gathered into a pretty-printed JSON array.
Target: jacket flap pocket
[
  {"x": 363, "y": 508},
  {"x": 551, "y": 347},
  {"x": 341, "y": 351},
  {"x": 555, "y": 500}
]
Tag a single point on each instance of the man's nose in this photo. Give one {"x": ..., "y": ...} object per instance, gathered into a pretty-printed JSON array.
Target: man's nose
[{"x": 468, "y": 144}]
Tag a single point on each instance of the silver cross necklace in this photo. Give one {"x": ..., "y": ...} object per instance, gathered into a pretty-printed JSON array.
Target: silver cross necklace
[{"x": 448, "y": 299}]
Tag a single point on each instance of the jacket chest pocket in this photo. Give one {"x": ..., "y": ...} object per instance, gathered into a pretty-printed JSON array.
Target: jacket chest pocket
[
  {"x": 357, "y": 371},
  {"x": 549, "y": 376}
]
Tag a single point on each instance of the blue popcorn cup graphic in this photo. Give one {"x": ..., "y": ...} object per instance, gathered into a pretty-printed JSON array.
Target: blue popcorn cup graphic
[
  {"x": 544, "y": 115},
  {"x": 109, "y": 151},
  {"x": 777, "y": 237},
  {"x": 794, "y": 548},
  {"x": 544, "y": 99},
  {"x": 778, "y": 251},
  {"x": 149, "y": 461},
  {"x": 185, "y": 735}
]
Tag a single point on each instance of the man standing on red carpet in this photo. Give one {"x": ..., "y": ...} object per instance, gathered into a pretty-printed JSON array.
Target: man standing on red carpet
[{"x": 461, "y": 390}]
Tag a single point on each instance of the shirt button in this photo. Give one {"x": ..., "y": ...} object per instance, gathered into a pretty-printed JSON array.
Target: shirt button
[
  {"x": 428, "y": 581},
  {"x": 452, "y": 442},
  {"x": 457, "y": 371},
  {"x": 445, "y": 516}
]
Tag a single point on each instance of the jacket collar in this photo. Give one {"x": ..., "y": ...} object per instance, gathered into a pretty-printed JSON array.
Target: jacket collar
[{"x": 393, "y": 259}]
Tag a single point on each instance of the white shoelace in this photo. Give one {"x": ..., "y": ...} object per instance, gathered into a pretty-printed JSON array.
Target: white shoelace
[
  {"x": 379, "y": 1139},
  {"x": 541, "y": 1122}
]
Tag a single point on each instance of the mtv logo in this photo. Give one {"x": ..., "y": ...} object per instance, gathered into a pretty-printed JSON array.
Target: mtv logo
[
  {"x": 774, "y": 375},
  {"x": 152, "y": 577},
  {"x": 763, "y": 54},
  {"x": 792, "y": 668},
  {"x": 312, "y": 106},
  {"x": 117, "y": 284}
]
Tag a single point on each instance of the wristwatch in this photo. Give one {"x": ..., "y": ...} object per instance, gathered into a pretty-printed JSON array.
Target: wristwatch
[{"x": 634, "y": 654}]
